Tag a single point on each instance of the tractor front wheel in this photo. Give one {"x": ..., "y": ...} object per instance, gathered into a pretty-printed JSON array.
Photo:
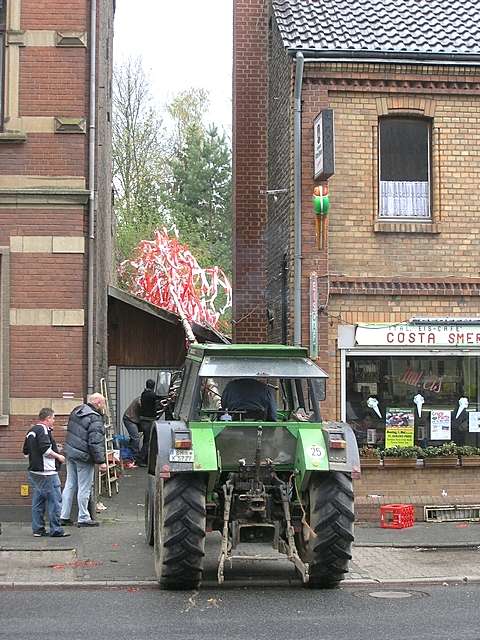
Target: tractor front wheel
[
  {"x": 326, "y": 543},
  {"x": 179, "y": 540}
]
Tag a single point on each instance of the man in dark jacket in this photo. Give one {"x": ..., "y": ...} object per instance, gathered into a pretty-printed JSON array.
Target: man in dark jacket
[
  {"x": 84, "y": 447},
  {"x": 44, "y": 461},
  {"x": 149, "y": 407},
  {"x": 253, "y": 398},
  {"x": 132, "y": 423}
]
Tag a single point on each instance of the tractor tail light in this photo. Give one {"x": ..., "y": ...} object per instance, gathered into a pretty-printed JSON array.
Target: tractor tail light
[
  {"x": 181, "y": 439},
  {"x": 182, "y": 443},
  {"x": 337, "y": 440}
]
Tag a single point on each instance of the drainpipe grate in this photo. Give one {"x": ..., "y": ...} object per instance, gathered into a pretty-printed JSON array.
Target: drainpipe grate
[{"x": 452, "y": 513}]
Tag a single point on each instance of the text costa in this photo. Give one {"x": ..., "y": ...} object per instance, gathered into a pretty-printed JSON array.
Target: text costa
[{"x": 402, "y": 337}]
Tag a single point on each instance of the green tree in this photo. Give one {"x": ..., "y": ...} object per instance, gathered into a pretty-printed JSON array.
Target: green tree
[
  {"x": 139, "y": 158},
  {"x": 199, "y": 197}
]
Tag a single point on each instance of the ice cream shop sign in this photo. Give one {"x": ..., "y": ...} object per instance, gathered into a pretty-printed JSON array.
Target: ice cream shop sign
[{"x": 441, "y": 335}]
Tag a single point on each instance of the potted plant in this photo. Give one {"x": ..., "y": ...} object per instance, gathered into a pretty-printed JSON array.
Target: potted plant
[
  {"x": 400, "y": 456},
  {"x": 445, "y": 455},
  {"x": 469, "y": 456},
  {"x": 369, "y": 456}
]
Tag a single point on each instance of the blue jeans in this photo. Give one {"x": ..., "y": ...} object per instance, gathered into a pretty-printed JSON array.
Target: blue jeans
[
  {"x": 79, "y": 481},
  {"x": 46, "y": 494}
]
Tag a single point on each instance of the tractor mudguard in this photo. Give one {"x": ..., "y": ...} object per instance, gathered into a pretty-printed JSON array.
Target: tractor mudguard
[
  {"x": 203, "y": 446},
  {"x": 161, "y": 444},
  {"x": 351, "y": 461},
  {"x": 311, "y": 454}
]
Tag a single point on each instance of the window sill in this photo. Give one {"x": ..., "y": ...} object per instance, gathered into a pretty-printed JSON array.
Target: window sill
[
  {"x": 406, "y": 227},
  {"x": 3, "y": 420},
  {"x": 12, "y": 137}
]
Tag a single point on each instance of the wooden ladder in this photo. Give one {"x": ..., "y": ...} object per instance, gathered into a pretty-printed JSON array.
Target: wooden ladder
[{"x": 108, "y": 477}]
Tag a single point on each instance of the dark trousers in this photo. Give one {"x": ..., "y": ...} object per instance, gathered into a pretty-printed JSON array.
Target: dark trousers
[{"x": 146, "y": 426}]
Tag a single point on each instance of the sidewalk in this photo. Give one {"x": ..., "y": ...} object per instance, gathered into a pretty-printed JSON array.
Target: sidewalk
[{"x": 115, "y": 553}]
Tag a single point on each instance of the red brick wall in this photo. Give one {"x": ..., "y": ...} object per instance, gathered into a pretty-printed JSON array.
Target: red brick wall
[
  {"x": 45, "y": 361},
  {"x": 55, "y": 14},
  {"x": 45, "y": 154},
  {"x": 41, "y": 222},
  {"x": 420, "y": 487},
  {"x": 53, "y": 82},
  {"x": 249, "y": 169}
]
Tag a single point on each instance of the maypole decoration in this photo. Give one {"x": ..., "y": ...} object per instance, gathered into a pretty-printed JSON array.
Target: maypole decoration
[{"x": 165, "y": 273}]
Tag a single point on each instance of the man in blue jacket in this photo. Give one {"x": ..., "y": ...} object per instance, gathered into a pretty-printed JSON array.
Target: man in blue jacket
[
  {"x": 44, "y": 461},
  {"x": 84, "y": 448}
]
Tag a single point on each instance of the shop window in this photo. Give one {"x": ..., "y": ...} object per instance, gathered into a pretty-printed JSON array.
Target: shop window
[
  {"x": 381, "y": 390},
  {"x": 405, "y": 168}
]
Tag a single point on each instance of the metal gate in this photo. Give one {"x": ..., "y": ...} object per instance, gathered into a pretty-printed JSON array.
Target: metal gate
[{"x": 131, "y": 383}]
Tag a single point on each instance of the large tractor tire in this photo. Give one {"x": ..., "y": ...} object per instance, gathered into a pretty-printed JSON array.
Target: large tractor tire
[
  {"x": 180, "y": 522},
  {"x": 149, "y": 519},
  {"x": 328, "y": 504}
]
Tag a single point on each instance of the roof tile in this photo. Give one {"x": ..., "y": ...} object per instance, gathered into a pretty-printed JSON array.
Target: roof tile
[{"x": 435, "y": 27}]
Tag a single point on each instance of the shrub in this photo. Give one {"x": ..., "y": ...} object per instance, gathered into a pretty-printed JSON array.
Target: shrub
[
  {"x": 369, "y": 452},
  {"x": 402, "y": 452},
  {"x": 468, "y": 450},
  {"x": 446, "y": 449}
]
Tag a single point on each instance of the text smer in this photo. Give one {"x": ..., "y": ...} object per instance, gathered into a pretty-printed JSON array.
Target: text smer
[{"x": 430, "y": 338}]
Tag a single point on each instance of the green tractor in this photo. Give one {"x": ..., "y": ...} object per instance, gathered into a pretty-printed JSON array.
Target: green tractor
[{"x": 283, "y": 479}]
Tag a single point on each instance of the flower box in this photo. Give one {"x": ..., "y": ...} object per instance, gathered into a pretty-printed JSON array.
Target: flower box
[{"x": 441, "y": 461}]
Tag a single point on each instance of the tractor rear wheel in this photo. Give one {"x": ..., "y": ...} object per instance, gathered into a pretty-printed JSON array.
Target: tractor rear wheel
[
  {"x": 180, "y": 522},
  {"x": 149, "y": 523},
  {"x": 327, "y": 543}
]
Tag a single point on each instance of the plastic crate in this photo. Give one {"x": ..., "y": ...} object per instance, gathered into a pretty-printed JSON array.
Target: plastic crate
[{"x": 397, "y": 516}]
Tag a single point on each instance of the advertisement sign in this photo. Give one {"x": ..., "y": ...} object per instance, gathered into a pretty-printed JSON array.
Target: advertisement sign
[
  {"x": 313, "y": 352},
  {"x": 474, "y": 421},
  {"x": 399, "y": 418},
  {"x": 440, "y": 425},
  {"x": 398, "y": 437},
  {"x": 410, "y": 335},
  {"x": 399, "y": 430},
  {"x": 323, "y": 145}
]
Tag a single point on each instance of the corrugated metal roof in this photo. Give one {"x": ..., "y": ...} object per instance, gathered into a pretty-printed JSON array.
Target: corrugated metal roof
[{"x": 436, "y": 28}]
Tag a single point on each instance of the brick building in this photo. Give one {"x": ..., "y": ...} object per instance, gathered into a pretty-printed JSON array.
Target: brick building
[
  {"x": 402, "y": 236},
  {"x": 55, "y": 201}
]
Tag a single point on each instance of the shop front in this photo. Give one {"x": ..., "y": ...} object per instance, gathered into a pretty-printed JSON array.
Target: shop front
[{"x": 415, "y": 383}]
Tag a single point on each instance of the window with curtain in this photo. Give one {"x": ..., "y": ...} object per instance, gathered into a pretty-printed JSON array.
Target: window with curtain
[{"x": 405, "y": 176}]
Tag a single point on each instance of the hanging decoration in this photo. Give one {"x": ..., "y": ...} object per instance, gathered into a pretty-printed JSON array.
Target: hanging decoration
[
  {"x": 372, "y": 403},
  {"x": 419, "y": 400},
  {"x": 462, "y": 405},
  {"x": 321, "y": 206},
  {"x": 165, "y": 273}
]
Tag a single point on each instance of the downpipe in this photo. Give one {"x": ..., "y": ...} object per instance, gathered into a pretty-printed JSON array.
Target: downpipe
[
  {"x": 297, "y": 163},
  {"x": 91, "y": 198}
]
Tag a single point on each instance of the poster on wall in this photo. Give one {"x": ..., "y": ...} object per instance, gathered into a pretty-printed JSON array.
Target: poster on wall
[
  {"x": 398, "y": 437},
  {"x": 440, "y": 425},
  {"x": 474, "y": 421},
  {"x": 399, "y": 418},
  {"x": 399, "y": 428}
]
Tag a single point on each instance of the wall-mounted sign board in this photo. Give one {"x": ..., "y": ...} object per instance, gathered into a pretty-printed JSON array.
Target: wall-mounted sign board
[{"x": 323, "y": 145}]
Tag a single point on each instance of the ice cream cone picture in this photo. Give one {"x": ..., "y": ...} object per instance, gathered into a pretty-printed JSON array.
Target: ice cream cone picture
[
  {"x": 462, "y": 405},
  {"x": 419, "y": 400},
  {"x": 372, "y": 403}
]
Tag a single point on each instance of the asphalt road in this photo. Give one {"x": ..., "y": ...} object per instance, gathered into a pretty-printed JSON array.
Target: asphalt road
[{"x": 439, "y": 613}]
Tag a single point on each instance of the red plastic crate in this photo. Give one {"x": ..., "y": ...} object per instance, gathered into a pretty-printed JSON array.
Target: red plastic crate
[{"x": 397, "y": 516}]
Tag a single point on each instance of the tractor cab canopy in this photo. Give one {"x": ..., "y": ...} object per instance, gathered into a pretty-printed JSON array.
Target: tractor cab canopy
[{"x": 297, "y": 383}]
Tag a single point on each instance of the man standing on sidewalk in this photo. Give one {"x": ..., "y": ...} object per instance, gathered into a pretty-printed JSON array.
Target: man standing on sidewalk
[
  {"x": 84, "y": 447},
  {"x": 44, "y": 461}
]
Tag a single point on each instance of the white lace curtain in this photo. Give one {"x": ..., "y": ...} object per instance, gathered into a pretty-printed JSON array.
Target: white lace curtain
[{"x": 404, "y": 199}]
